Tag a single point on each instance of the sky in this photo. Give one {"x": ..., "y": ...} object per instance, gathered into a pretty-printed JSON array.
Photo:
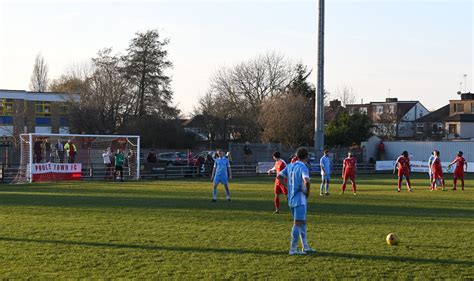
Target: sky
[{"x": 418, "y": 49}]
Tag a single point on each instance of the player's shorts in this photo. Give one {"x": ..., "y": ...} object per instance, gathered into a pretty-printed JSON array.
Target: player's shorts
[
  {"x": 280, "y": 189},
  {"x": 459, "y": 174},
  {"x": 118, "y": 168},
  {"x": 221, "y": 179},
  {"x": 299, "y": 212},
  {"x": 403, "y": 173},
  {"x": 438, "y": 175},
  {"x": 350, "y": 176},
  {"x": 325, "y": 177}
]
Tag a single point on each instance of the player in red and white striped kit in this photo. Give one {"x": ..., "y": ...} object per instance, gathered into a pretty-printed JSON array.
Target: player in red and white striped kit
[
  {"x": 349, "y": 167},
  {"x": 459, "y": 170},
  {"x": 279, "y": 187},
  {"x": 403, "y": 165}
]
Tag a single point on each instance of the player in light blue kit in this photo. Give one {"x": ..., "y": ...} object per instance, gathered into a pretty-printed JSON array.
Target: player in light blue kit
[
  {"x": 221, "y": 173},
  {"x": 298, "y": 191},
  {"x": 325, "y": 164}
]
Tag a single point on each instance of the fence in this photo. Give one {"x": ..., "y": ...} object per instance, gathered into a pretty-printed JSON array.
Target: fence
[{"x": 99, "y": 172}]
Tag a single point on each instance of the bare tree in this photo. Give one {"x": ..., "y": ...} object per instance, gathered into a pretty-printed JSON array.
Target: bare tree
[
  {"x": 39, "y": 78},
  {"x": 287, "y": 119},
  {"x": 346, "y": 95}
]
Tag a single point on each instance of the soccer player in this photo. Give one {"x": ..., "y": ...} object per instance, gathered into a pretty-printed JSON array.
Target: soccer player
[
  {"x": 403, "y": 165},
  {"x": 437, "y": 171},
  {"x": 298, "y": 187},
  {"x": 349, "y": 167},
  {"x": 325, "y": 164},
  {"x": 459, "y": 170},
  {"x": 221, "y": 173},
  {"x": 119, "y": 158},
  {"x": 280, "y": 189},
  {"x": 430, "y": 162}
]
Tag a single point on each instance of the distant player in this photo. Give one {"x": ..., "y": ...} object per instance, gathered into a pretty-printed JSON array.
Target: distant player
[
  {"x": 280, "y": 189},
  {"x": 325, "y": 164},
  {"x": 221, "y": 173},
  {"x": 298, "y": 191},
  {"x": 403, "y": 165},
  {"x": 437, "y": 171},
  {"x": 119, "y": 158},
  {"x": 430, "y": 162},
  {"x": 461, "y": 164},
  {"x": 349, "y": 167}
]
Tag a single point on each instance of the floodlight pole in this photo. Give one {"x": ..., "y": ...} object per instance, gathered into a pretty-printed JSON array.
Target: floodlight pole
[{"x": 319, "y": 100}]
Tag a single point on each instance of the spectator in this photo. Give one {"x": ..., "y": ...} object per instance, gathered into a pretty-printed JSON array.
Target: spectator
[
  {"x": 38, "y": 149},
  {"x": 131, "y": 161},
  {"x": 229, "y": 156},
  {"x": 71, "y": 151},
  {"x": 107, "y": 163},
  {"x": 247, "y": 154},
  {"x": 151, "y": 157},
  {"x": 119, "y": 158},
  {"x": 199, "y": 163},
  {"x": 381, "y": 149},
  {"x": 190, "y": 158},
  {"x": 47, "y": 151},
  {"x": 59, "y": 151}
]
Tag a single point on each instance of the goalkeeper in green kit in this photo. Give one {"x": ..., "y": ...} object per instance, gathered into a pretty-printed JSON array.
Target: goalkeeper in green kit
[{"x": 119, "y": 158}]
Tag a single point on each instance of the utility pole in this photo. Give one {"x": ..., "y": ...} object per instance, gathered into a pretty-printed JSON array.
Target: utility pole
[
  {"x": 465, "y": 83},
  {"x": 319, "y": 100}
]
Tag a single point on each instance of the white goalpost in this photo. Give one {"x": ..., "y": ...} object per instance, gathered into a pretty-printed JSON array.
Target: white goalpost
[{"x": 56, "y": 157}]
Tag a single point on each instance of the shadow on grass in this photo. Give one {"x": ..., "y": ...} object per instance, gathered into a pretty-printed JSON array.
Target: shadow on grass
[
  {"x": 235, "y": 251},
  {"x": 190, "y": 203}
]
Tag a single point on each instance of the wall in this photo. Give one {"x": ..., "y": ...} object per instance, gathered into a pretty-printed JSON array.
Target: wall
[{"x": 466, "y": 130}]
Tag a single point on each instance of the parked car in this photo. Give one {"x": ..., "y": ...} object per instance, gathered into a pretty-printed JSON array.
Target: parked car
[
  {"x": 173, "y": 158},
  {"x": 203, "y": 154}
]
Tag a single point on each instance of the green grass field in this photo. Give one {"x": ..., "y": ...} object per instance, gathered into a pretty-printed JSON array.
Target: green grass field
[{"x": 170, "y": 229}]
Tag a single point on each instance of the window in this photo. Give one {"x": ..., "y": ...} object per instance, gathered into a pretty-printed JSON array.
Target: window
[
  {"x": 420, "y": 128},
  {"x": 472, "y": 107},
  {"x": 453, "y": 129},
  {"x": 43, "y": 108},
  {"x": 6, "y": 107},
  {"x": 379, "y": 109},
  {"x": 391, "y": 109},
  {"x": 435, "y": 128},
  {"x": 363, "y": 110},
  {"x": 459, "y": 107}
]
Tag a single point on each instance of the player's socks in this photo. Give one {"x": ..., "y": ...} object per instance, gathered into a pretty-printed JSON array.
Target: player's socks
[
  {"x": 321, "y": 189},
  {"x": 304, "y": 240},
  {"x": 462, "y": 184},
  {"x": 327, "y": 188},
  {"x": 354, "y": 188},
  {"x": 214, "y": 193},
  {"x": 408, "y": 185},
  {"x": 277, "y": 203},
  {"x": 227, "y": 193},
  {"x": 454, "y": 183},
  {"x": 343, "y": 188},
  {"x": 295, "y": 235},
  {"x": 399, "y": 184}
]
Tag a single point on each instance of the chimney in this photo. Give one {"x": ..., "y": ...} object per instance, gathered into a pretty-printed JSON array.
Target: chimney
[
  {"x": 335, "y": 103},
  {"x": 391, "y": 100},
  {"x": 467, "y": 96}
]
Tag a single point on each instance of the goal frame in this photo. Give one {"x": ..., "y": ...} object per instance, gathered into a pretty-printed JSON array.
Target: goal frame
[{"x": 30, "y": 150}]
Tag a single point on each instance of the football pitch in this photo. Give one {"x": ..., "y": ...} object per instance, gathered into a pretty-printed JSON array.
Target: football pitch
[{"x": 171, "y": 229}]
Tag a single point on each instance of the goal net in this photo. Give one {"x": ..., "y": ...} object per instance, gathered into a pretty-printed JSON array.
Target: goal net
[{"x": 56, "y": 157}]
